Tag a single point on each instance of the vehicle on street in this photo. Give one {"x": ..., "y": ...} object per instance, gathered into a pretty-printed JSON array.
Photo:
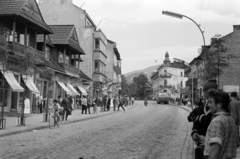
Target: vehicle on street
[{"x": 162, "y": 97}]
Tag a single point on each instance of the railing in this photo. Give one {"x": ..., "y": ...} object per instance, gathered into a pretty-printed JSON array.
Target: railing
[
  {"x": 165, "y": 75},
  {"x": 21, "y": 48},
  {"x": 70, "y": 70}
]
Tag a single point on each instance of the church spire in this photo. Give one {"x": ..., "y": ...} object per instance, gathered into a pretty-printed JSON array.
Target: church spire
[{"x": 166, "y": 60}]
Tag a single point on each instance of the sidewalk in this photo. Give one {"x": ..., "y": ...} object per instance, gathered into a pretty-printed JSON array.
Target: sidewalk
[{"x": 35, "y": 121}]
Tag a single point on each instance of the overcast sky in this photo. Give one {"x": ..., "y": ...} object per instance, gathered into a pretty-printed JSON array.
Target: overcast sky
[{"x": 144, "y": 35}]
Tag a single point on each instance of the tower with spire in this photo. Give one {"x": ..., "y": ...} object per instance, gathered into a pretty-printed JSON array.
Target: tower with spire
[{"x": 166, "y": 61}]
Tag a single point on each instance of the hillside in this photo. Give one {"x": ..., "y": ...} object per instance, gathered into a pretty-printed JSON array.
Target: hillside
[{"x": 129, "y": 76}]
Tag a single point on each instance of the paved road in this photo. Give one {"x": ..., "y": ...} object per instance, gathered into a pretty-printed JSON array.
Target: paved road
[{"x": 155, "y": 131}]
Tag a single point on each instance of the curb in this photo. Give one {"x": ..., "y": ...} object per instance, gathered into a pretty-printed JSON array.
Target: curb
[{"x": 65, "y": 123}]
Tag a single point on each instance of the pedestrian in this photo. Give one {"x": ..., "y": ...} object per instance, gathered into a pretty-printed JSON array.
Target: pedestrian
[
  {"x": 132, "y": 100},
  {"x": 120, "y": 104},
  {"x": 65, "y": 105},
  {"x": 201, "y": 118},
  {"x": 95, "y": 105},
  {"x": 234, "y": 109},
  {"x": 40, "y": 103},
  {"x": 84, "y": 105},
  {"x": 114, "y": 103},
  {"x": 89, "y": 104},
  {"x": 26, "y": 106},
  {"x": 70, "y": 105},
  {"x": 108, "y": 103},
  {"x": 220, "y": 141}
]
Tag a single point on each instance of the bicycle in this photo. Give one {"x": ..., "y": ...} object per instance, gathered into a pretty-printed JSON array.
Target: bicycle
[{"x": 55, "y": 120}]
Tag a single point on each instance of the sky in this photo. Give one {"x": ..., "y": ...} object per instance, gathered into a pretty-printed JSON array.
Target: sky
[{"x": 143, "y": 35}]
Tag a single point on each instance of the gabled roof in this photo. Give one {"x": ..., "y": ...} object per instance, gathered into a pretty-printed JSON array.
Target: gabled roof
[
  {"x": 40, "y": 39},
  {"x": 27, "y": 9},
  {"x": 65, "y": 35},
  {"x": 84, "y": 76}
]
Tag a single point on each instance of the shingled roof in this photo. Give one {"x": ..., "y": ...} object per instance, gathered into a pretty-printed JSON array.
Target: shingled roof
[
  {"x": 84, "y": 76},
  {"x": 65, "y": 35},
  {"x": 26, "y": 9}
]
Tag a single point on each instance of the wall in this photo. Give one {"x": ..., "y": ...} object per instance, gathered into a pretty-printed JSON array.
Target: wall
[
  {"x": 110, "y": 59},
  {"x": 231, "y": 74},
  {"x": 59, "y": 12}
]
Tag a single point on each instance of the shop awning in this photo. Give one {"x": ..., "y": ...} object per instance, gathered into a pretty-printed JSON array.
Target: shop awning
[
  {"x": 65, "y": 88},
  {"x": 30, "y": 84},
  {"x": 82, "y": 90},
  {"x": 72, "y": 89},
  {"x": 13, "y": 82}
]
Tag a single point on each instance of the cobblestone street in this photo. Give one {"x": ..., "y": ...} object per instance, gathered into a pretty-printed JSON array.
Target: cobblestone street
[{"x": 155, "y": 131}]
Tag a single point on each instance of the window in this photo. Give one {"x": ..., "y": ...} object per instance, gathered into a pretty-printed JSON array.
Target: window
[
  {"x": 165, "y": 82},
  {"x": 181, "y": 84},
  {"x": 47, "y": 52},
  {"x": 7, "y": 33},
  {"x": 96, "y": 67},
  {"x": 181, "y": 74},
  {"x": 97, "y": 44},
  {"x": 67, "y": 59},
  {"x": 165, "y": 91},
  {"x": 165, "y": 72},
  {"x": 60, "y": 57}
]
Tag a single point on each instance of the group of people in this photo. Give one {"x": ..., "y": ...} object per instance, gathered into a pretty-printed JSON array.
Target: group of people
[
  {"x": 104, "y": 102},
  {"x": 216, "y": 124},
  {"x": 60, "y": 106}
]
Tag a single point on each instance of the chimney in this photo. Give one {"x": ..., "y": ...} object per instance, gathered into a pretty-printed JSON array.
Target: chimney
[{"x": 236, "y": 28}]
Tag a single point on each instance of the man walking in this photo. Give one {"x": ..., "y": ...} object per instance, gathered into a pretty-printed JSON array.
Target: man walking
[
  {"x": 120, "y": 103},
  {"x": 201, "y": 118},
  {"x": 89, "y": 104},
  {"x": 114, "y": 103},
  {"x": 84, "y": 105},
  {"x": 234, "y": 109}
]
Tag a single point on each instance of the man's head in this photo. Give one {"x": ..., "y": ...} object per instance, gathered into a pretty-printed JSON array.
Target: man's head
[
  {"x": 218, "y": 100},
  {"x": 59, "y": 97},
  {"x": 234, "y": 95},
  {"x": 210, "y": 84},
  {"x": 55, "y": 101}
]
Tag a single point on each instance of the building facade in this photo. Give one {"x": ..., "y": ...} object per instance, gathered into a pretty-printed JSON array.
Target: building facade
[
  {"x": 169, "y": 78},
  {"x": 64, "y": 12}
]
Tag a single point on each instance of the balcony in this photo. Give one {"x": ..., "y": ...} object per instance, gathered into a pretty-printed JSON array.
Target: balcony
[
  {"x": 117, "y": 68},
  {"x": 165, "y": 75},
  {"x": 21, "y": 48},
  {"x": 97, "y": 76},
  {"x": 70, "y": 70}
]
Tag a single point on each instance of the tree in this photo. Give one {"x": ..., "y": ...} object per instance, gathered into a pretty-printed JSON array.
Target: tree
[
  {"x": 217, "y": 59},
  {"x": 142, "y": 83},
  {"x": 22, "y": 61},
  {"x": 124, "y": 86}
]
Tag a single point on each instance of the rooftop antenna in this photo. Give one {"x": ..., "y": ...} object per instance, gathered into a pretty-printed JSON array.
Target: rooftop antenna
[
  {"x": 99, "y": 23},
  {"x": 82, "y": 5}
]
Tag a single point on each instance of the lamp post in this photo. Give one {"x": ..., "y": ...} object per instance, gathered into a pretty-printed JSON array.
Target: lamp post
[{"x": 180, "y": 16}]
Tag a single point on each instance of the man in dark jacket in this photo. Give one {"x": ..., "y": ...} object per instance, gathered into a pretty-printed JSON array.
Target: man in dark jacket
[
  {"x": 108, "y": 104},
  {"x": 201, "y": 118},
  {"x": 65, "y": 105}
]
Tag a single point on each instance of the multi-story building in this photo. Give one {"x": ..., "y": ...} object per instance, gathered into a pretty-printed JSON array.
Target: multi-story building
[
  {"x": 169, "y": 77},
  {"x": 20, "y": 24},
  {"x": 64, "y": 12},
  {"x": 113, "y": 66}
]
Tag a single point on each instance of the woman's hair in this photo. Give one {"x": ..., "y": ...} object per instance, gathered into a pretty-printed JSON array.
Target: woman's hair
[
  {"x": 55, "y": 101},
  {"x": 220, "y": 97}
]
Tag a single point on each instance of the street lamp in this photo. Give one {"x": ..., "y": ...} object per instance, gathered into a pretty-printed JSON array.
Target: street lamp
[{"x": 180, "y": 16}]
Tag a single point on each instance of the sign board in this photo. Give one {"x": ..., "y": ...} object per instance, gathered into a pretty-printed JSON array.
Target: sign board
[{"x": 230, "y": 89}]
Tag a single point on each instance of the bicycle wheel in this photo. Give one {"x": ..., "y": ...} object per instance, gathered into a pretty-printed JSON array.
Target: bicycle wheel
[{"x": 51, "y": 122}]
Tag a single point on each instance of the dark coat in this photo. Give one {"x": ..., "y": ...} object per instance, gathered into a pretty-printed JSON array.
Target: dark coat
[
  {"x": 234, "y": 109},
  {"x": 65, "y": 103},
  {"x": 201, "y": 119}
]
